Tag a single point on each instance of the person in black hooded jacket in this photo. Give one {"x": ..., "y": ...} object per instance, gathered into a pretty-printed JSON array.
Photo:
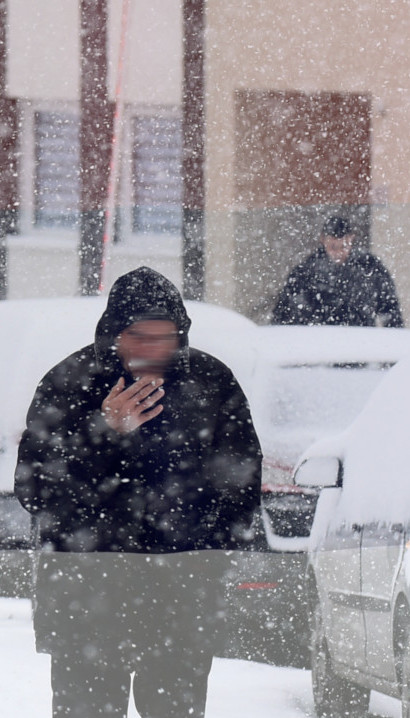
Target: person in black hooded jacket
[
  {"x": 339, "y": 284},
  {"x": 141, "y": 466}
]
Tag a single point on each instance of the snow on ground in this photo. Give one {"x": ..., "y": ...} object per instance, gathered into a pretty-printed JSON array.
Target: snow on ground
[{"x": 238, "y": 689}]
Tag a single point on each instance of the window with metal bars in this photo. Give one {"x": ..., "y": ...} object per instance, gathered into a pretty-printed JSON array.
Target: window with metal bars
[
  {"x": 57, "y": 165},
  {"x": 157, "y": 177}
]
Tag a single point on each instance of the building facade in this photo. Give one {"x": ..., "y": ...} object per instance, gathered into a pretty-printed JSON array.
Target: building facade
[{"x": 306, "y": 112}]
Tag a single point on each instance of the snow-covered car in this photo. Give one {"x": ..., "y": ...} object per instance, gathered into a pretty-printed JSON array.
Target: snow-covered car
[
  {"x": 309, "y": 383},
  {"x": 36, "y": 334},
  {"x": 358, "y": 574}
]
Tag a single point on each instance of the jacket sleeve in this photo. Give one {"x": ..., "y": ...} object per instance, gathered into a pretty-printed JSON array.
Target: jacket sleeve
[
  {"x": 68, "y": 458},
  {"x": 293, "y": 304},
  {"x": 388, "y": 306},
  {"x": 235, "y": 467}
]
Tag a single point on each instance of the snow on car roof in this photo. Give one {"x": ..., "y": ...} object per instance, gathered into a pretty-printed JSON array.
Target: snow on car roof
[{"x": 324, "y": 344}]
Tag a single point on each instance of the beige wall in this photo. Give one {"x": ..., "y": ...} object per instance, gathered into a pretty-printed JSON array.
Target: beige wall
[
  {"x": 44, "y": 50},
  {"x": 153, "y": 67},
  {"x": 349, "y": 46},
  {"x": 49, "y": 267}
]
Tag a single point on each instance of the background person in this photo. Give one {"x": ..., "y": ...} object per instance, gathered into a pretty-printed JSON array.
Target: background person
[
  {"x": 142, "y": 466},
  {"x": 339, "y": 284}
]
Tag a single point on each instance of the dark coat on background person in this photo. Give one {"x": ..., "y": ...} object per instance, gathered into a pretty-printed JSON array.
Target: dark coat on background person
[
  {"x": 356, "y": 292},
  {"x": 188, "y": 479}
]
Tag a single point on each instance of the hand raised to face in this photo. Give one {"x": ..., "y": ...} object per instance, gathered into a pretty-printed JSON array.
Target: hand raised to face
[{"x": 124, "y": 410}]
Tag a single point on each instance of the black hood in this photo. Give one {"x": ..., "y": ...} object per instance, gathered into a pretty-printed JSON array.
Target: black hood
[{"x": 140, "y": 294}]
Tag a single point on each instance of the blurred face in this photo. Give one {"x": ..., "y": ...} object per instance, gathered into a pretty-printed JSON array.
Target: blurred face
[
  {"x": 148, "y": 346},
  {"x": 338, "y": 249}
]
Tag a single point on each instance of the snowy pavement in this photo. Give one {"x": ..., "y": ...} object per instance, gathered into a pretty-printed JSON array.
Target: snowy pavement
[{"x": 238, "y": 689}]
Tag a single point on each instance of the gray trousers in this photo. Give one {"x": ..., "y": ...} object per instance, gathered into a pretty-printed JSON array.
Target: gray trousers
[{"x": 105, "y": 617}]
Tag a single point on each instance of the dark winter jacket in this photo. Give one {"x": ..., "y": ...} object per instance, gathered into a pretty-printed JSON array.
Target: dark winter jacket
[
  {"x": 187, "y": 479},
  {"x": 319, "y": 291}
]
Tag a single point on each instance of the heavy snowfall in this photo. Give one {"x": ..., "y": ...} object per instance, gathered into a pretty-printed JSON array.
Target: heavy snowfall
[{"x": 209, "y": 140}]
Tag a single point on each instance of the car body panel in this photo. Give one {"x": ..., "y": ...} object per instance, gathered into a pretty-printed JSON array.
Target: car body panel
[
  {"x": 339, "y": 565},
  {"x": 381, "y": 556},
  {"x": 357, "y": 586},
  {"x": 362, "y": 530}
]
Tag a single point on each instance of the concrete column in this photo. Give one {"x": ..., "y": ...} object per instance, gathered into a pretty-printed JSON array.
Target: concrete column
[
  {"x": 95, "y": 141},
  {"x": 193, "y": 127},
  {"x": 8, "y": 158}
]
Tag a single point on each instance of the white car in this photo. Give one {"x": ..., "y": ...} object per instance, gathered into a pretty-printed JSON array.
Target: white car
[
  {"x": 358, "y": 575},
  {"x": 309, "y": 383}
]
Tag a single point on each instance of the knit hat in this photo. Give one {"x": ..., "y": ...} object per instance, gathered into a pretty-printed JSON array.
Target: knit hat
[
  {"x": 337, "y": 227},
  {"x": 141, "y": 294}
]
